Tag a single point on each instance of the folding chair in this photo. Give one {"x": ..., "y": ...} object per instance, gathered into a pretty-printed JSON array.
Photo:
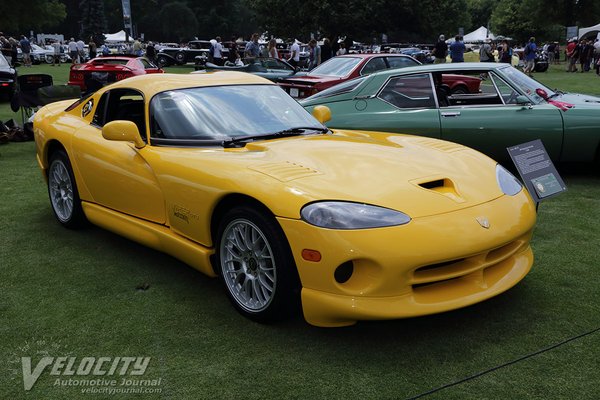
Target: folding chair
[{"x": 26, "y": 97}]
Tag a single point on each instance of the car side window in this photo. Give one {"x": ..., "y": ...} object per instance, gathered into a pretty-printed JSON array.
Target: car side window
[
  {"x": 98, "y": 118},
  {"x": 509, "y": 95},
  {"x": 123, "y": 105},
  {"x": 412, "y": 91},
  {"x": 374, "y": 65},
  {"x": 401, "y": 62}
]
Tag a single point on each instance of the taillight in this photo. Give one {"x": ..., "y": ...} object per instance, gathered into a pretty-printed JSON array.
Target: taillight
[{"x": 123, "y": 75}]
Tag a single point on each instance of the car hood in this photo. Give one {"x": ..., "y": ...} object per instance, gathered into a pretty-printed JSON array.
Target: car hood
[
  {"x": 578, "y": 99},
  {"x": 416, "y": 175}
]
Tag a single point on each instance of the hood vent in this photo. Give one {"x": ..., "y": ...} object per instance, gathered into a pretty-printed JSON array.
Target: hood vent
[
  {"x": 285, "y": 171},
  {"x": 442, "y": 186},
  {"x": 441, "y": 145}
]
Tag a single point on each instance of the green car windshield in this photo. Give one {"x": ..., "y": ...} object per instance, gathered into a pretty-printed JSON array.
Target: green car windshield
[
  {"x": 219, "y": 113},
  {"x": 526, "y": 84},
  {"x": 337, "y": 66}
]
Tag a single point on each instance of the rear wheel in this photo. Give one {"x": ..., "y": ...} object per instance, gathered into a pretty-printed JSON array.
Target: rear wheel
[
  {"x": 162, "y": 61},
  {"x": 256, "y": 265},
  {"x": 460, "y": 90},
  {"x": 63, "y": 193},
  {"x": 180, "y": 57},
  {"x": 49, "y": 59}
]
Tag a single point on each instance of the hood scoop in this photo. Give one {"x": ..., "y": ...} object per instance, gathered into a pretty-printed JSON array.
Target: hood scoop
[
  {"x": 442, "y": 186},
  {"x": 285, "y": 171},
  {"x": 440, "y": 145}
]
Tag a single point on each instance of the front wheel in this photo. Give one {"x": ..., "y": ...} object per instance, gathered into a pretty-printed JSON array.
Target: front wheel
[
  {"x": 180, "y": 57},
  {"x": 256, "y": 265},
  {"x": 162, "y": 61},
  {"x": 63, "y": 193}
]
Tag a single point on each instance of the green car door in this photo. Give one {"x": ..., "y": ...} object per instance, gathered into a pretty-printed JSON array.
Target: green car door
[
  {"x": 499, "y": 117},
  {"x": 404, "y": 104}
]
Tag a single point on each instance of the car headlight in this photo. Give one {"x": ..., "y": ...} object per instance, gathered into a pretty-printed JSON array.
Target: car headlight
[
  {"x": 346, "y": 215},
  {"x": 507, "y": 181}
]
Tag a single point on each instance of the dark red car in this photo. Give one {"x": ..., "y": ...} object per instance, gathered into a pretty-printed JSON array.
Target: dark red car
[
  {"x": 343, "y": 68},
  {"x": 340, "y": 69},
  {"x": 103, "y": 70}
]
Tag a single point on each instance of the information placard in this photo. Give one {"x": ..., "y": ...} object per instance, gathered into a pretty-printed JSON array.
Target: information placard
[{"x": 537, "y": 170}]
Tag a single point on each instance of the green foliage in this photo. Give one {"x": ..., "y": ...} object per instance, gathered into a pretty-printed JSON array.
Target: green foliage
[
  {"x": 178, "y": 22},
  {"x": 19, "y": 17},
  {"x": 93, "y": 19}
]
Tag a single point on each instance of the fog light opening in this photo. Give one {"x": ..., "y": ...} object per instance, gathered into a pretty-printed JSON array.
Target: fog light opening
[{"x": 344, "y": 272}]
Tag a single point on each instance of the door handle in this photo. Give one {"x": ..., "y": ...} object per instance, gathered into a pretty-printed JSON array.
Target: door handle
[{"x": 451, "y": 114}]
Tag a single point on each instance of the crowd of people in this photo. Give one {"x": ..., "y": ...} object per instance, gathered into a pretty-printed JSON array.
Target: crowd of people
[{"x": 584, "y": 52}]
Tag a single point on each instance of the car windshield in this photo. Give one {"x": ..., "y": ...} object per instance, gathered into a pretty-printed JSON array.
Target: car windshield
[
  {"x": 525, "y": 83},
  {"x": 3, "y": 62},
  {"x": 109, "y": 61},
  {"x": 337, "y": 66},
  {"x": 219, "y": 113}
]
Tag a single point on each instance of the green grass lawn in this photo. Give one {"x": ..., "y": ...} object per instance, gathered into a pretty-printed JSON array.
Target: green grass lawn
[{"x": 77, "y": 294}]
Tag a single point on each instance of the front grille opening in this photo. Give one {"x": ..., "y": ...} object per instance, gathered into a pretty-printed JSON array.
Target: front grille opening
[
  {"x": 503, "y": 251},
  {"x": 438, "y": 265},
  {"x": 423, "y": 285},
  {"x": 344, "y": 272}
]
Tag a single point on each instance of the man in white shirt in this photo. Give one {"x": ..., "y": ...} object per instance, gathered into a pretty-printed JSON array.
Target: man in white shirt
[
  {"x": 73, "y": 50},
  {"x": 294, "y": 59},
  {"x": 218, "y": 52},
  {"x": 80, "y": 46}
]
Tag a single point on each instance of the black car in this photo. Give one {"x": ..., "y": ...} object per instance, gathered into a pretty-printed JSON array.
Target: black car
[
  {"x": 8, "y": 78},
  {"x": 183, "y": 55}
]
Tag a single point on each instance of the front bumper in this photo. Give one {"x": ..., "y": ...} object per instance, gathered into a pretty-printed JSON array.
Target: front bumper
[{"x": 433, "y": 264}]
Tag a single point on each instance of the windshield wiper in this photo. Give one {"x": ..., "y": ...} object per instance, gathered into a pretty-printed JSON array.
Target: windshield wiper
[
  {"x": 297, "y": 131},
  {"x": 556, "y": 93}
]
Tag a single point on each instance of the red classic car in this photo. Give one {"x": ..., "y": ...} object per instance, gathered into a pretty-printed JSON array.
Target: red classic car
[
  {"x": 343, "y": 68},
  {"x": 102, "y": 70}
]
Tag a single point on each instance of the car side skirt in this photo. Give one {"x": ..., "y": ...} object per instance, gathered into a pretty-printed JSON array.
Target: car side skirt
[{"x": 158, "y": 237}]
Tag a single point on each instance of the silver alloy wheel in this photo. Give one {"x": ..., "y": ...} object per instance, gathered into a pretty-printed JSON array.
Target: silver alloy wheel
[
  {"x": 248, "y": 265},
  {"x": 61, "y": 190}
]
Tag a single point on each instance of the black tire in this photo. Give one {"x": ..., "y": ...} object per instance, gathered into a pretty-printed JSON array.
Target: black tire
[
  {"x": 49, "y": 59},
  {"x": 541, "y": 67},
  {"x": 255, "y": 291},
  {"x": 62, "y": 190},
  {"x": 162, "y": 61},
  {"x": 180, "y": 57},
  {"x": 460, "y": 90}
]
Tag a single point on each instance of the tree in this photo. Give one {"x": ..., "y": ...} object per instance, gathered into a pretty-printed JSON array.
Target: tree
[
  {"x": 93, "y": 19},
  {"x": 178, "y": 22},
  {"x": 25, "y": 15}
]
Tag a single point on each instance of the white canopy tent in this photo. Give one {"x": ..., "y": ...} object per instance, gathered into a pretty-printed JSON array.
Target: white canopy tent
[
  {"x": 589, "y": 31},
  {"x": 115, "y": 37},
  {"x": 478, "y": 35}
]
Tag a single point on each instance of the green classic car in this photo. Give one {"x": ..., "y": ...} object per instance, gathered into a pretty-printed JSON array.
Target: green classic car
[{"x": 506, "y": 109}]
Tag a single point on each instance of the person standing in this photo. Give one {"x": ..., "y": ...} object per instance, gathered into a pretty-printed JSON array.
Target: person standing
[
  {"x": 252, "y": 49},
  {"x": 314, "y": 57},
  {"x": 92, "y": 48},
  {"x": 233, "y": 54},
  {"x": 505, "y": 52},
  {"x": 440, "y": 51},
  {"x": 342, "y": 50},
  {"x": 457, "y": 50},
  {"x": 272, "y": 49},
  {"x": 550, "y": 52},
  {"x": 80, "y": 51},
  {"x": 529, "y": 55},
  {"x": 485, "y": 52},
  {"x": 73, "y": 50},
  {"x": 151, "y": 52},
  {"x": 326, "y": 51},
  {"x": 572, "y": 56},
  {"x": 57, "y": 47},
  {"x": 26, "y": 50},
  {"x": 217, "y": 55},
  {"x": 294, "y": 59}
]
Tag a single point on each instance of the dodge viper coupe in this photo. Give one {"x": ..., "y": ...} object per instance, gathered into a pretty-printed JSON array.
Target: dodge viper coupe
[
  {"x": 232, "y": 176},
  {"x": 103, "y": 70},
  {"x": 509, "y": 108}
]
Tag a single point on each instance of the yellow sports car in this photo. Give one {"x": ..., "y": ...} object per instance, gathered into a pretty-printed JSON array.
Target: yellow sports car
[{"x": 229, "y": 174}]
